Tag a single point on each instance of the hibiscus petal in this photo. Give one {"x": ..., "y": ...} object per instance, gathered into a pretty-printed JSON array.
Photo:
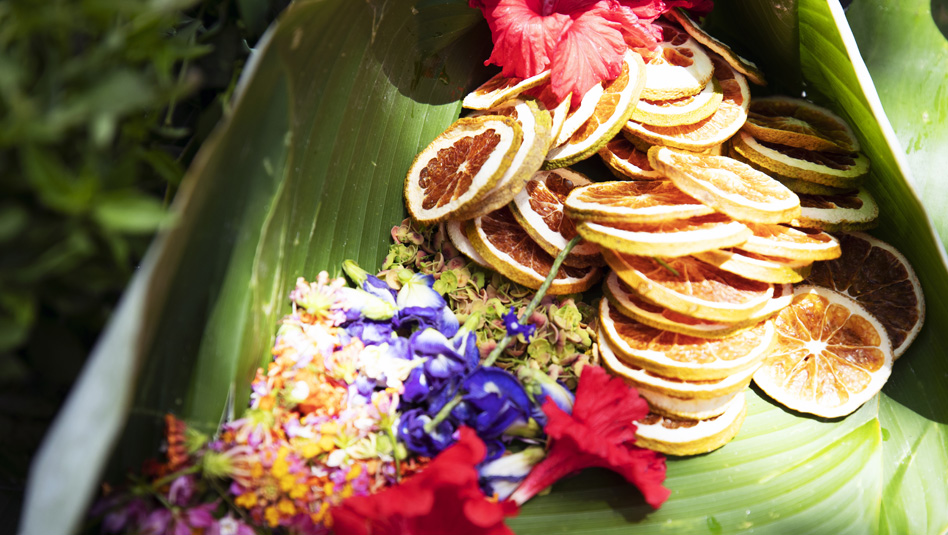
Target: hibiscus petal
[
  {"x": 589, "y": 52},
  {"x": 524, "y": 39}
]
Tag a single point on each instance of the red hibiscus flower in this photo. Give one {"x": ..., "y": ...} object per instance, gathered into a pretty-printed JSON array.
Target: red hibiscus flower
[
  {"x": 442, "y": 498},
  {"x": 581, "y": 41},
  {"x": 599, "y": 433}
]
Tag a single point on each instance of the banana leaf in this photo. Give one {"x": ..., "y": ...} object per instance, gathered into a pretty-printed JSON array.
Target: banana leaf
[{"x": 307, "y": 171}]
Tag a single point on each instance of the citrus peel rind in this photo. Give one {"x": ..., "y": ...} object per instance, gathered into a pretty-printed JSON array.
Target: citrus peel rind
[
  {"x": 460, "y": 166},
  {"x": 757, "y": 267},
  {"x": 632, "y": 202},
  {"x": 680, "y": 69},
  {"x": 677, "y": 356},
  {"x": 799, "y": 123},
  {"x": 674, "y": 238},
  {"x": 680, "y": 111},
  {"x": 500, "y": 89},
  {"x": 458, "y": 237},
  {"x": 742, "y": 65},
  {"x": 830, "y": 169},
  {"x": 830, "y": 356},
  {"x": 675, "y": 436},
  {"x": 575, "y": 118},
  {"x": 727, "y": 185},
  {"x": 625, "y": 161},
  {"x": 854, "y": 211}
]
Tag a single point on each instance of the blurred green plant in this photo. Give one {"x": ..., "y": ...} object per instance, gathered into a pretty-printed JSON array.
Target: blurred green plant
[{"x": 103, "y": 103}]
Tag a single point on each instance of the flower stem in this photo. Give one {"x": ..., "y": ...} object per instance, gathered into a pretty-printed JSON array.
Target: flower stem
[
  {"x": 443, "y": 413},
  {"x": 536, "y": 301},
  {"x": 666, "y": 266}
]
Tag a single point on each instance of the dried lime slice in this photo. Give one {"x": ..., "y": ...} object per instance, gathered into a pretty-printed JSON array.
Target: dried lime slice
[
  {"x": 499, "y": 89},
  {"x": 831, "y": 169},
  {"x": 798, "y": 123},
  {"x": 460, "y": 166},
  {"x": 632, "y": 201},
  {"x": 674, "y": 238},
  {"x": 626, "y": 161},
  {"x": 744, "y": 66},
  {"x": 680, "y": 69},
  {"x": 855, "y": 211}
]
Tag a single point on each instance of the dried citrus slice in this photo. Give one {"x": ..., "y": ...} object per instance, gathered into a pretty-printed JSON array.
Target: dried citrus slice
[
  {"x": 535, "y": 125},
  {"x": 539, "y": 210},
  {"x": 626, "y": 161},
  {"x": 455, "y": 230},
  {"x": 853, "y": 211},
  {"x": 678, "y": 356},
  {"x": 460, "y": 166},
  {"x": 830, "y": 356},
  {"x": 691, "y": 287},
  {"x": 613, "y": 110},
  {"x": 877, "y": 276},
  {"x": 511, "y": 252},
  {"x": 797, "y": 123},
  {"x": 678, "y": 237},
  {"x": 499, "y": 89},
  {"x": 727, "y": 185},
  {"x": 634, "y": 306},
  {"x": 681, "y": 68},
  {"x": 641, "y": 201},
  {"x": 704, "y": 134},
  {"x": 576, "y": 117},
  {"x": 793, "y": 184},
  {"x": 744, "y": 66},
  {"x": 827, "y": 168},
  {"x": 758, "y": 267},
  {"x": 789, "y": 242},
  {"x": 676, "y": 436},
  {"x": 675, "y": 397},
  {"x": 679, "y": 111}
]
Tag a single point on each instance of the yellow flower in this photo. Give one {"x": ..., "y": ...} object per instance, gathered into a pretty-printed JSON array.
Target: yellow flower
[
  {"x": 354, "y": 472},
  {"x": 272, "y": 516},
  {"x": 246, "y": 500},
  {"x": 286, "y": 507}
]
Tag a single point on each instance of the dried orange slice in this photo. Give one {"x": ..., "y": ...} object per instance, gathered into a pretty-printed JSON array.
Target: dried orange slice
[
  {"x": 511, "y": 252},
  {"x": 797, "y": 123},
  {"x": 789, "y": 242},
  {"x": 675, "y": 397},
  {"x": 727, "y": 185},
  {"x": 877, "y": 276},
  {"x": 830, "y": 356},
  {"x": 460, "y": 166},
  {"x": 678, "y": 356},
  {"x": 827, "y": 168},
  {"x": 455, "y": 230},
  {"x": 499, "y": 89},
  {"x": 649, "y": 201},
  {"x": 715, "y": 130},
  {"x": 677, "y": 436},
  {"x": 539, "y": 210},
  {"x": 793, "y": 184},
  {"x": 680, "y": 69},
  {"x": 612, "y": 111},
  {"x": 758, "y": 267},
  {"x": 678, "y": 237},
  {"x": 744, "y": 66},
  {"x": 852, "y": 211},
  {"x": 626, "y": 161},
  {"x": 691, "y": 287},
  {"x": 634, "y": 306},
  {"x": 679, "y": 111},
  {"x": 573, "y": 119},
  {"x": 535, "y": 125}
]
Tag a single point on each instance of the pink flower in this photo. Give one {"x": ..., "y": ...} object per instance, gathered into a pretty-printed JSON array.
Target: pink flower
[
  {"x": 442, "y": 498},
  {"x": 600, "y": 433}
]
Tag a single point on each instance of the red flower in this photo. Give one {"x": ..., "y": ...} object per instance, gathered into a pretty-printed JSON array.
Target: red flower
[
  {"x": 442, "y": 498},
  {"x": 581, "y": 41},
  {"x": 600, "y": 433}
]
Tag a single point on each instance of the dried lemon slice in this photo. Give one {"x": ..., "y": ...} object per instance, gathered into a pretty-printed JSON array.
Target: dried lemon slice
[
  {"x": 613, "y": 110},
  {"x": 830, "y": 356},
  {"x": 797, "y": 123},
  {"x": 691, "y": 287},
  {"x": 880, "y": 278},
  {"x": 455, "y": 230},
  {"x": 827, "y": 168},
  {"x": 677, "y": 436},
  {"x": 854, "y": 211},
  {"x": 715, "y": 130},
  {"x": 539, "y": 210},
  {"x": 727, "y": 185},
  {"x": 499, "y": 89},
  {"x": 744, "y": 66},
  {"x": 678, "y": 237},
  {"x": 677, "y": 356},
  {"x": 675, "y": 397},
  {"x": 460, "y": 166},
  {"x": 634, "y": 306},
  {"x": 511, "y": 252},
  {"x": 758, "y": 267},
  {"x": 626, "y": 161},
  {"x": 680, "y": 69},
  {"x": 535, "y": 125},
  {"x": 632, "y": 202},
  {"x": 789, "y": 242},
  {"x": 679, "y": 111}
]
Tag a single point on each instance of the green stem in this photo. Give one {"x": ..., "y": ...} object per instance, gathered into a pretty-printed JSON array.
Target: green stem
[
  {"x": 158, "y": 483},
  {"x": 666, "y": 266},
  {"x": 507, "y": 340},
  {"x": 443, "y": 413},
  {"x": 230, "y": 502}
]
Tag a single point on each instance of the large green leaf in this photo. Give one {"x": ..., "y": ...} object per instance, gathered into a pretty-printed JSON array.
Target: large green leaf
[{"x": 308, "y": 170}]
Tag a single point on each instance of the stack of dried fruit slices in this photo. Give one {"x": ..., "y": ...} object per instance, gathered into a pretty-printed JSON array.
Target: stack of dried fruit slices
[{"x": 723, "y": 204}]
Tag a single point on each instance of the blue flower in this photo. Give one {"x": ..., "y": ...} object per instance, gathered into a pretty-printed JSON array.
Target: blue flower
[
  {"x": 371, "y": 332},
  {"x": 441, "y": 319},
  {"x": 416, "y": 387},
  {"x": 502, "y": 476},
  {"x": 443, "y": 359},
  {"x": 495, "y": 401},
  {"x": 419, "y": 303},
  {"x": 362, "y": 304},
  {"x": 411, "y": 429},
  {"x": 514, "y": 327}
]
